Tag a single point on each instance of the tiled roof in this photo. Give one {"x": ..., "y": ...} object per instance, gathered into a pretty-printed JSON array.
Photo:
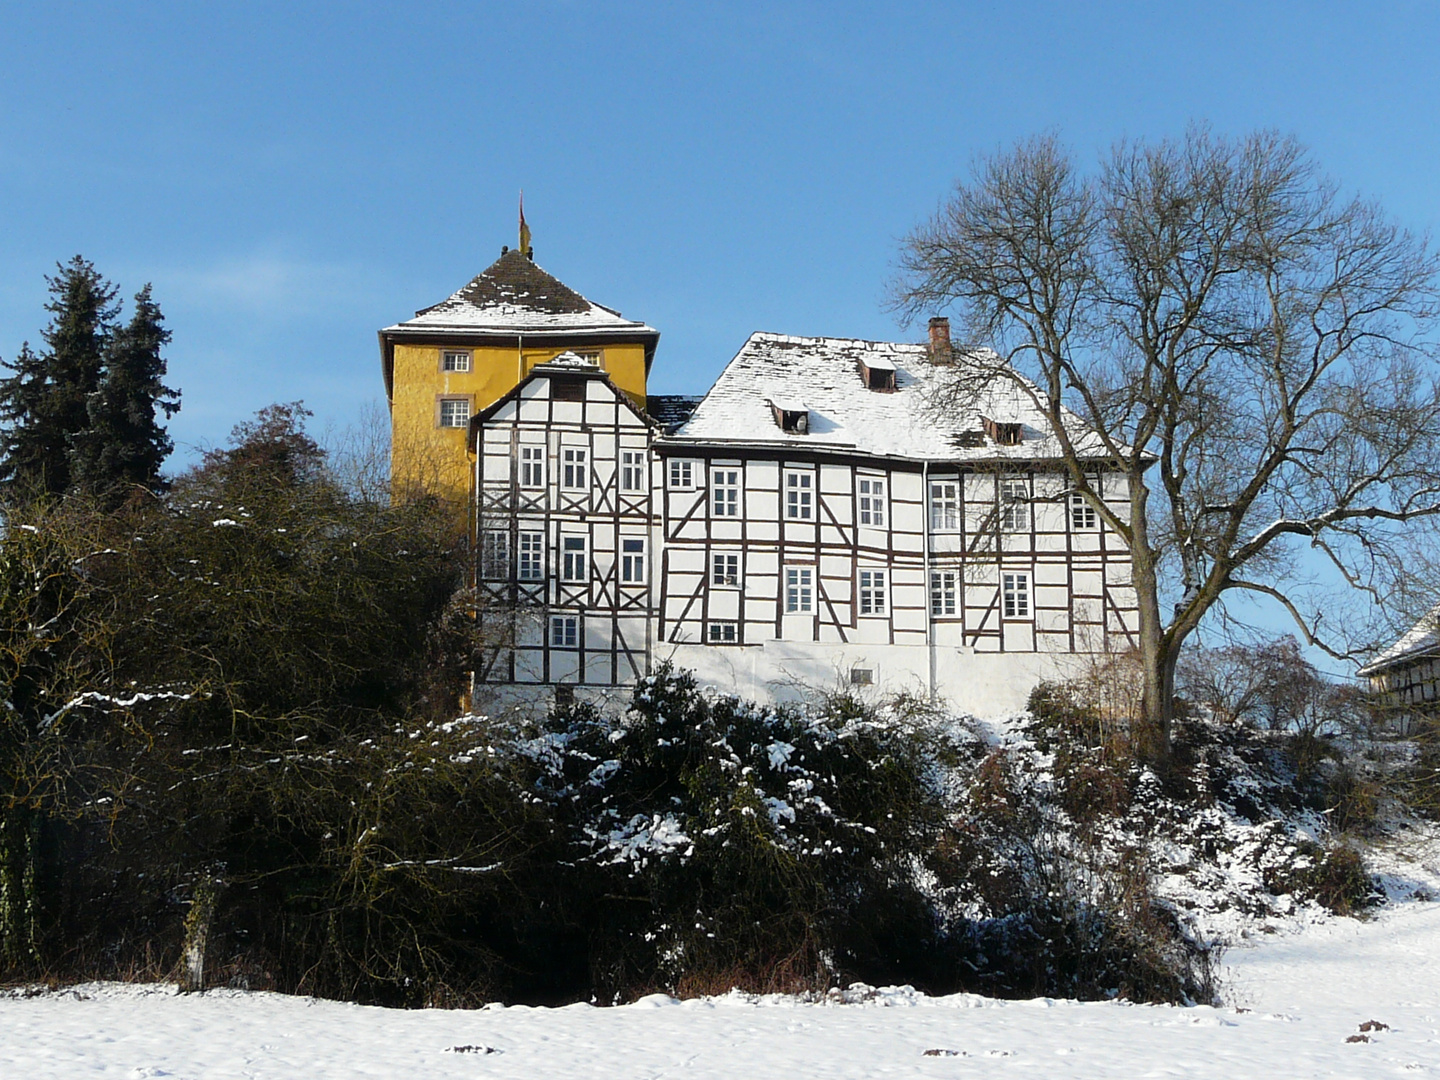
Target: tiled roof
[
  {"x": 845, "y": 414},
  {"x": 513, "y": 294}
]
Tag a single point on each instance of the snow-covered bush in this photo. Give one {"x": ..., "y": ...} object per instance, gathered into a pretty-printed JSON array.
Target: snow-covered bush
[{"x": 735, "y": 844}]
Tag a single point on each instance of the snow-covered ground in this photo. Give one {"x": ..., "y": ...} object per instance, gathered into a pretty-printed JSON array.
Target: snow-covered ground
[{"x": 1294, "y": 1000}]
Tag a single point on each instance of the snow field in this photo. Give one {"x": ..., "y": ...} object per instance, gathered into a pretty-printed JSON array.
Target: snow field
[{"x": 1295, "y": 998}]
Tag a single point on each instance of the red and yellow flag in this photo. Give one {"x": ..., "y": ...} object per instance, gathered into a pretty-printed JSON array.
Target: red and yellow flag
[{"x": 524, "y": 229}]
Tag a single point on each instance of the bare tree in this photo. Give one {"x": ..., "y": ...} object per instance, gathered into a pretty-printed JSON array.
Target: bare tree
[{"x": 1251, "y": 348}]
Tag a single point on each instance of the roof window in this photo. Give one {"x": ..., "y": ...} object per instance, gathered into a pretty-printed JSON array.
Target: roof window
[
  {"x": 792, "y": 416},
  {"x": 1005, "y": 433},
  {"x": 878, "y": 373}
]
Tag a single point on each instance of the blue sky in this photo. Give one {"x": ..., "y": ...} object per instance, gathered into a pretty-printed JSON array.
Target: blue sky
[{"x": 293, "y": 179}]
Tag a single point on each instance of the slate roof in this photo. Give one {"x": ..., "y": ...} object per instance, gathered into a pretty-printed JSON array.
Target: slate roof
[
  {"x": 670, "y": 411},
  {"x": 515, "y": 295},
  {"x": 1422, "y": 639},
  {"x": 847, "y": 416}
]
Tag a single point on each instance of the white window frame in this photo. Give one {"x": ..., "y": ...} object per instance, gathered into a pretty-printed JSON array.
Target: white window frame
[
  {"x": 873, "y": 595},
  {"x": 574, "y": 558},
  {"x": 1015, "y": 594},
  {"x": 532, "y": 467},
  {"x": 565, "y": 631},
  {"x": 575, "y": 468},
  {"x": 944, "y": 505},
  {"x": 454, "y": 361},
  {"x": 722, "y": 632},
  {"x": 530, "y": 556},
  {"x": 725, "y": 492},
  {"x": 799, "y": 590},
  {"x": 1014, "y": 494},
  {"x": 595, "y": 357},
  {"x": 872, "y": 502},
  {"x": 495, "y": 555},
  {"x": 943, "y": 585},
  {"x": 1083, "y": 517},
  {"x": 632, "y": 560},
  {"x": 681, "y": 474},
  {"x": 632, "y": 470},
  {"x": 450, "y": 412},
  {"x": 799, "y": 495},
  {"x": 725, "y": 569}
]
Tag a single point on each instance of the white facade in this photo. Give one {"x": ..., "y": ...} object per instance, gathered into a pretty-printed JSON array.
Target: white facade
[{"x": 811, "y": 524}]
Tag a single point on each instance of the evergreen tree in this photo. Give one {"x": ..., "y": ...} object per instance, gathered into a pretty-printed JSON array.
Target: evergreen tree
[
  {"x": 46, "y": 403},
  {"x": 23, "y": 442},
  {"x": 123, "y": 443}
]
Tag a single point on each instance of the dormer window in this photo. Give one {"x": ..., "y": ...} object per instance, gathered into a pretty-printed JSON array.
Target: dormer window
[
  {"x": 792, "y": 416},
  {"x": 878, "y": 373},
  {"x": 1005, "y": 433}
]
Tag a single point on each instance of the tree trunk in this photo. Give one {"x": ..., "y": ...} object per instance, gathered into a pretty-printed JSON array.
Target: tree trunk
[
  {"x": 197, "y": 933},
  {"x": 1157, "y": 656}
]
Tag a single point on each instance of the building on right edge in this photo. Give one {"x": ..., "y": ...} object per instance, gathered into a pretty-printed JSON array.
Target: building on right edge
[
  {"x": 1406, "y": 676},
  {"x": 818, "y": 521}
]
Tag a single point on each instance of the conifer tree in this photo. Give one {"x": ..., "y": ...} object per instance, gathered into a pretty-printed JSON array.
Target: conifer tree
[
  {"x": 46, "y": 403},
  {"x": 24, "y": 443},
  {"x": 123, "y": 443}
]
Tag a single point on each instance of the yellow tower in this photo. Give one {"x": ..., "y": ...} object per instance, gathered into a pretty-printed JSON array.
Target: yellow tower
[{"x": 453, "y": 359}]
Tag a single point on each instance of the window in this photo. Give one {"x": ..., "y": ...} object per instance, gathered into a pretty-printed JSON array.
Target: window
[
  {"x": 632, "y": 561},
  {"x": 454, "y": 412},
  {"x": 1082, "y": 514},
  {"x": 942, "y": 592},
  {"x": 725, "y": 570},
  {"x": 532, "y": 556},
  {"x": 872, "y": 503},
  {"x": 455, "y": 361},
  {"x": 682, "y": 475},
  {"x": 799, "y": 590},
  {"x": 798, "y": 496},
  {"x": 862, "y": 676},
  {"x": 573, "y": 474},
  {"x": 872, "y": 592},
  {"x": 1014, "y": 505},
  {"x": 1015, "y": 595},
  {"x": 944, "y": 505},
  {"x": 565, "y": 631},
  {"x": 725, "y": 492},
  {"x": 632, "y": 470},
  {"x": 722, "y": 633},
  {"x": 567, "y": 389},
  {"x": 574, "y": 566},
  {"x": 532, "y": 466},
  {"x": 590, "y": 356},
  {"x": 495, "y": 555}
]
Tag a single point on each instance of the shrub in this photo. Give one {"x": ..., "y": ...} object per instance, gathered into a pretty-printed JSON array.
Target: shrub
[{"x": 775, "y": 848}]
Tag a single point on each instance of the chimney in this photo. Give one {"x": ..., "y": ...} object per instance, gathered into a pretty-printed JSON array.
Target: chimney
[{"x": 940, "y": 352}]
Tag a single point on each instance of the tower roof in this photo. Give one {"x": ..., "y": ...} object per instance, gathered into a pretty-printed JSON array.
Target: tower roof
[
  {"x": 514, "y": 295},
  {"x": 513, "y": 300}
]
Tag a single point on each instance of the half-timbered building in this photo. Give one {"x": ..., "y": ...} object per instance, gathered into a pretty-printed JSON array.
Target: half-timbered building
[
  {"x": 563, "y": 529},
  {"x": 821, "y": 521},
  {"x": 812, "y": 520}
]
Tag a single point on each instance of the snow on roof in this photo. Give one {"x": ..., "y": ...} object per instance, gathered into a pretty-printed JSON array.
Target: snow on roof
[
  {"x": 845, "y": 414},
  {"x": 514, "y": 295},
  {"x": 570, "y": 359},
  {"x": 1422, "y": 638},
  {"x": 787, "y": 404}
]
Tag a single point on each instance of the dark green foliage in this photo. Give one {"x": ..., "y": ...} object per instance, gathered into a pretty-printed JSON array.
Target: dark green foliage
[
  {"x": 81, "y": 416},
  {"x": 123, "y": 444},
  {"x": 735, "y": 845}
]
